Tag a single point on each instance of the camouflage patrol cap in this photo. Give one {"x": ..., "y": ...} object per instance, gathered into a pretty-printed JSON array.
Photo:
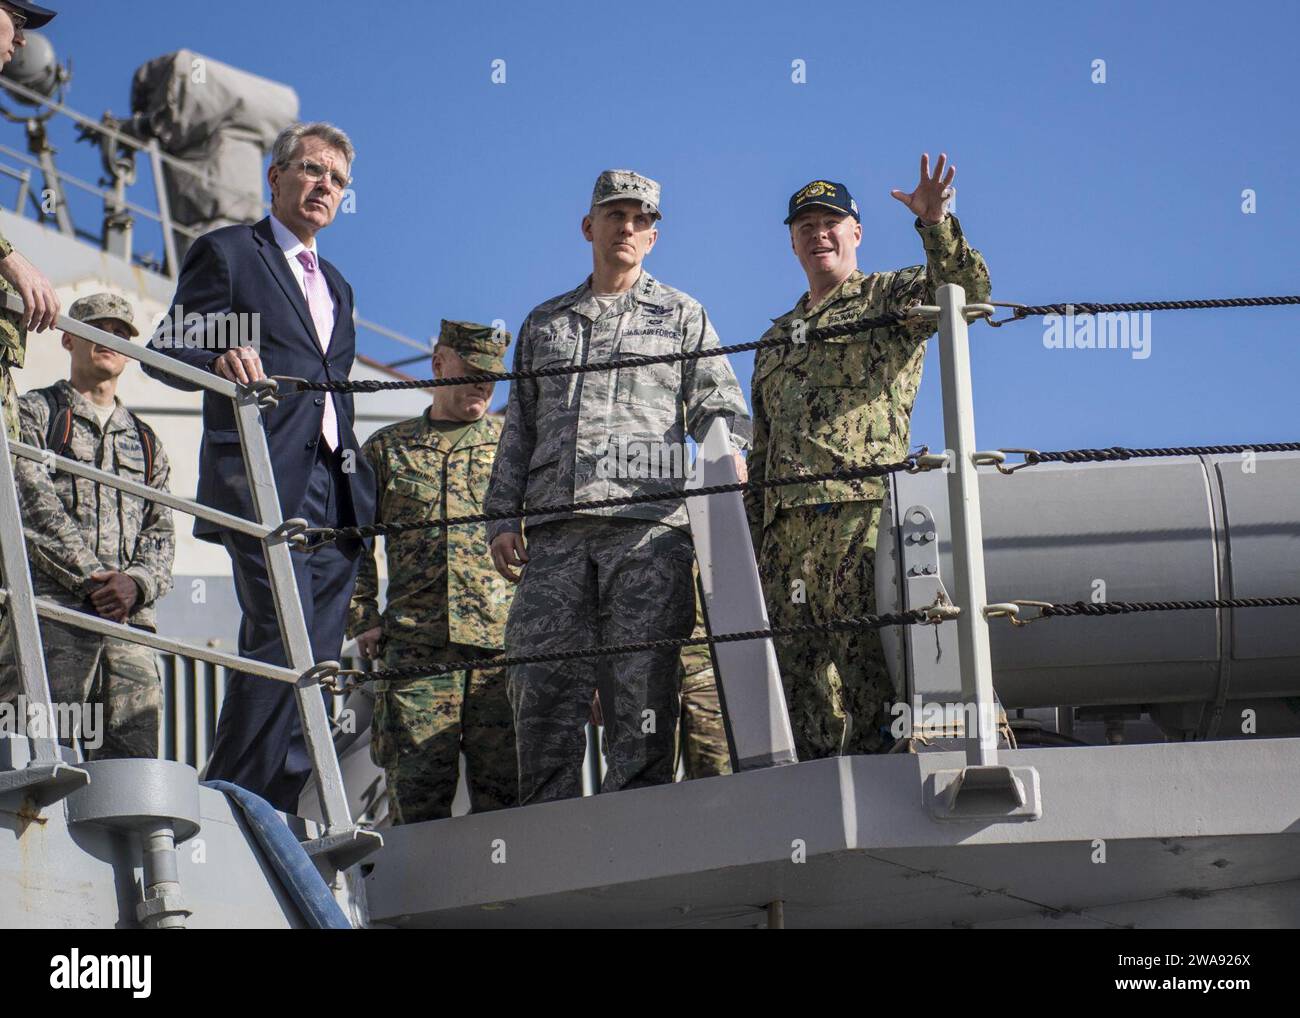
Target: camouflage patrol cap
[
  {"x": 480, "y": 345},
  {"x": 621, "y": 185},
  {"x": 104, "y": 305},
  {"x": 826, "y": 193}
]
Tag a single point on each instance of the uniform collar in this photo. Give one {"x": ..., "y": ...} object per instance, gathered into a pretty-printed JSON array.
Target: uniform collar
[
  {"x": 82, "y": 407},
  {"x": 646, "y": 290},
  {"x": 851, "y": 286},
  {"x": 476, "y": 433}
]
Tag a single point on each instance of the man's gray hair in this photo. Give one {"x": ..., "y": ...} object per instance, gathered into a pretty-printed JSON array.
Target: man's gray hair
[{"x": 287, "y": 142}]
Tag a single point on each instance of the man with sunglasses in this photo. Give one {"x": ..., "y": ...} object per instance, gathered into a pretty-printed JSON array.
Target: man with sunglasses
[
  {"x": 290, "y": 312},
  {"x": 17, "y": 274}
]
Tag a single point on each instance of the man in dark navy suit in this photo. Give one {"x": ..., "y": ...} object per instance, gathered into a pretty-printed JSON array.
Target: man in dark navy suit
[{"x": 297, "y": 310}]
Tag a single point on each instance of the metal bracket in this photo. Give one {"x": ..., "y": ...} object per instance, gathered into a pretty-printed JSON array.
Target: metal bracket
[
  {"x": 977, "y": 792},
  {"x": 928, "y": 461},
  {"x": 43, "y": 783},
  {"x": 1005, "y": 304},
  {"x": 1019, "y": 466},
  {"x": 321, "y": 672},
  {"x": 343, "y": 849},
  {"x": 265, "y": 392},
  {"x": 290, "y": 532}
]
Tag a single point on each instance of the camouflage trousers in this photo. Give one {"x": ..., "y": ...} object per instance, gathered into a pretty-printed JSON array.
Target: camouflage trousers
[
  {"x": 702, "y": 742},
  {"x": 9, "y": 392},
  {"x": 818, "y": 563},
  {"x": 420, "y": 727},
  {"x": 591, "y": 582},
  {"x": 117, "y": 682}
]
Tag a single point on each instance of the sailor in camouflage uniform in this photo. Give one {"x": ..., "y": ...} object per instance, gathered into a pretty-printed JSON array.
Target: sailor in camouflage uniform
[
  {"x": 616, "y": 575},
  {"x": 829, "y": 404},
  {"x": 17, "y": 274},
  {"x": 92, "y": 547},
  {"x": 446, "y": 603}
]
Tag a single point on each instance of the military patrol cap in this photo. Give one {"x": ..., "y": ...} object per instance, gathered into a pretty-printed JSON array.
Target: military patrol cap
[
  {"x": 103, "y": 305},
  {"x": 36, "y": 16},
  {"x": 621, "y": 185},
  {"x": 826, "y": 193},
  {"x": 482, "y": 346}
]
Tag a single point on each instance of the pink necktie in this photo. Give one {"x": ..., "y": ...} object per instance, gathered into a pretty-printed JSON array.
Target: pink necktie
[{"x": 321, "y": 306}]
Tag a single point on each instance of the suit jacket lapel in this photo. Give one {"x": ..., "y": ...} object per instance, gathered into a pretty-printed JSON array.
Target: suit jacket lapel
[
  {"x": 337, "y": 291},
  {"x": 273, "y": 256}
]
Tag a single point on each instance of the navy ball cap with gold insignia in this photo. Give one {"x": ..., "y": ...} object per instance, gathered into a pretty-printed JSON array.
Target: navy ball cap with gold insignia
[
  {"x": 37, "y": 17},
  {"x": 826, "y": 193}
]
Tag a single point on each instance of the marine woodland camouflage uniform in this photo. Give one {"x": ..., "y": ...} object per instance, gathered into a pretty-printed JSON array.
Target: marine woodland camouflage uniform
[
  {"x": 616, "y": 575},
  {"x": 13, "y": 349},
  {"x": 829, "y": 404},
  {"x": 75, "y": 527},
  {"x": 703, "y": 738},
  {"x": 446, "y": 603}
]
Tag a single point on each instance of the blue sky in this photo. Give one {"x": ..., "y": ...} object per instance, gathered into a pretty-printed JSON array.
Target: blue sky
[{"x": 469, "y": 193}]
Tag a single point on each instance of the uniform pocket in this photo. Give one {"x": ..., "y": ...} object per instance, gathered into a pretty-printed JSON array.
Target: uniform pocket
[
  {"x": 657, "y": 386},
  {"x": 410, "y": 497}
]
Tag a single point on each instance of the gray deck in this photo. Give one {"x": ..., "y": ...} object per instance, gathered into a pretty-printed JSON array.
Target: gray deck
[{"x": 1197, "y": 835}]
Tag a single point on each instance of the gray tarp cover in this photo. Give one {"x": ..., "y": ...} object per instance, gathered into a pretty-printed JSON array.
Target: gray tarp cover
[{"x": 223, "y": 122}]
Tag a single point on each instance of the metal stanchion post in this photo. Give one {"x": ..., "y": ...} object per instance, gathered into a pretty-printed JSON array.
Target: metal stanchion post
[{"x": 967, "y": 526}]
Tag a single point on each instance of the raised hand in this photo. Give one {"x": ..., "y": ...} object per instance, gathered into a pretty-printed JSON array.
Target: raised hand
[{"x": 928, "y": 198}]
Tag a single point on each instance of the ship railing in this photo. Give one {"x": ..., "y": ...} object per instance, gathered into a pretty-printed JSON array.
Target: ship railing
[
  {"x": 115, "y": 201},
  {"x": 48, "y": 777}
]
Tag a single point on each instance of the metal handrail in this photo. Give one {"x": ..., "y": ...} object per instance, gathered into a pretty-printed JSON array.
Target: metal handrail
[
  {"x": 120, "y": 631},
  {"x": 143, "y": 354},
  {"x": 304, "y": 672},
  {"x": 125, "y": 139},
  {"x": 95, "y": 190},
  {"x": 414, "y": 344},
  {"x": 185, "y": 505}
]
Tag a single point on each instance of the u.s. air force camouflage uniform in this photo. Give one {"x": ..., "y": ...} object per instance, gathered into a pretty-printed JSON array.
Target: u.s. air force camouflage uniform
[
  {"x": 616, "y": 575},
  {"x": 446, "y": 604},
  {"x": 75, "y": 527},
  {"x": 13, "y": 350},
  {"x": 703, "y": 738},
  {"x": 828, "y": 404}
]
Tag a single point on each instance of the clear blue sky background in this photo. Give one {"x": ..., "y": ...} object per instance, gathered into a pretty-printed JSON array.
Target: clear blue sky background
[{"x": 469, "y": 194}]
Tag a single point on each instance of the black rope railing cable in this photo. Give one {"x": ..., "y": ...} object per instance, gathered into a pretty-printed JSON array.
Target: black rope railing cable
[
  {"x": 1105, "y": 609},
  {"x": 640, "y": 360},
  {"x": 1119, "y": 453},
  {"x": 315, "y": 536},
  {"x": 1018, "y": 312},
  {"x": 914, "y": 617}
]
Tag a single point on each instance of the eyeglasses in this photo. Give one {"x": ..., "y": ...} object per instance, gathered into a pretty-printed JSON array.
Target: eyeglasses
[
  {"x": 315, "y": 171},
  {"x": 19, "y": 20}
]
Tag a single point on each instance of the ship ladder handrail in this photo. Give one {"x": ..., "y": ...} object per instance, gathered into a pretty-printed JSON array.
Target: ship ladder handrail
[{"x": 48, "y": 777}]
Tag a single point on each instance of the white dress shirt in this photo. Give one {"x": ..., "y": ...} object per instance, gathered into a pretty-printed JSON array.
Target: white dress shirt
[{"x": 291, "y": 246}]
